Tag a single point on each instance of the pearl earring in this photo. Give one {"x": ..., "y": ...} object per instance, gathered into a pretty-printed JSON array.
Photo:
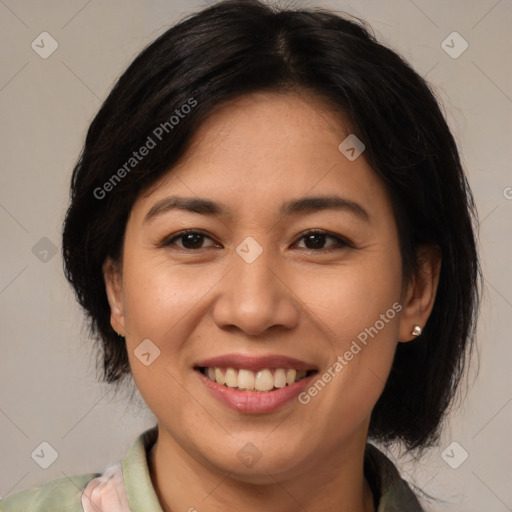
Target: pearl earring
[{"x": 416, "y": 330}]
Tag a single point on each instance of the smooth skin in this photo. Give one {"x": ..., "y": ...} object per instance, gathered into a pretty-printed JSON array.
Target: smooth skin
[{"x": 303, "y": 297}]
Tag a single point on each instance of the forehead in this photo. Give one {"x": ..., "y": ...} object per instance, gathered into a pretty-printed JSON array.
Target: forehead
[{"x": 267, "y": 148}]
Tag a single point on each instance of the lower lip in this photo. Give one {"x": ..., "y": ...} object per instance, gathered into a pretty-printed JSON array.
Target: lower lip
[{"x": 255, "y": 402}]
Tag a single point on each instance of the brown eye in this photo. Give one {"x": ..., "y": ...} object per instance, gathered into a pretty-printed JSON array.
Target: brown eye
[
  {"x": 315, "y": 240},
  {"x": 191, "y": 240}
]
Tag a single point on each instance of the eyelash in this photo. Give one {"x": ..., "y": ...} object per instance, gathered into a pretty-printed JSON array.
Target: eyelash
[{"x": 342, "y": 242}]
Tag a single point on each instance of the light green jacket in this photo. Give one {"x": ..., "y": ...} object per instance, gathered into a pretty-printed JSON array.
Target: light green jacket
[{"x": 135, "y": 490}]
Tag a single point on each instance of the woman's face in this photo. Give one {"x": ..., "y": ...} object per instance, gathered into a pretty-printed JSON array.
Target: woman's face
[{"x": 251, "y": 290}]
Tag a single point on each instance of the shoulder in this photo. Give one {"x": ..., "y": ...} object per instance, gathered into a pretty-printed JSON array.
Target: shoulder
[
  {"x": 107, "y": 488},
  {"x": 62, "y": 494}
]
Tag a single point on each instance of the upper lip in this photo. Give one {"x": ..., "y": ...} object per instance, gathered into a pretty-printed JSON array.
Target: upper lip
[{"x": 255, "y": 363}]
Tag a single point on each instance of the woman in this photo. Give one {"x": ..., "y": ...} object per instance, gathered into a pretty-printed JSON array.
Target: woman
[{"x": 270, "y": 229}]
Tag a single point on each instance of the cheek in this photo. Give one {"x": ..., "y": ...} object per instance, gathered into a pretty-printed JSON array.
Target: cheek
[
  {"x": 157, "y": 298},
  {"x": 352, "y": 298},
  {"x": 360, "y": 310},
  {"x": 158, "y": 295}
]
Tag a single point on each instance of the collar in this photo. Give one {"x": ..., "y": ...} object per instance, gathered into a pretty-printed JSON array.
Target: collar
[
  {"x": 125, "y": 486},
  {"x": 391, "y": 492}
]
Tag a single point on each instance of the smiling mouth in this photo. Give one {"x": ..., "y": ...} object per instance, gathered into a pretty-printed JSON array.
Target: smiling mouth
[{"x": 264, "y": 380}]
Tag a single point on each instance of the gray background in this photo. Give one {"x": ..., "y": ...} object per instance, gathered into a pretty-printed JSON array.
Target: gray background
[{"x": 47, "y": 375}]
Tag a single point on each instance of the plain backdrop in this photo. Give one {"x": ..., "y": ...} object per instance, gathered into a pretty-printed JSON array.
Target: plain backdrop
[{"x": 48, "y": 387}]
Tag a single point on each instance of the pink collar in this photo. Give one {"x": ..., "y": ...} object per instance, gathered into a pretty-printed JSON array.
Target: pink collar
[{"x": 106, "y": 492}]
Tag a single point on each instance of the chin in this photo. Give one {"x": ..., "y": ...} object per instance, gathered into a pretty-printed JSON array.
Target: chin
[{"x": 262, "y": 465}]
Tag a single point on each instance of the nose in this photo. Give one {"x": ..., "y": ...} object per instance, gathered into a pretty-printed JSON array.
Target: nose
[{"x": 256, "y": 296}]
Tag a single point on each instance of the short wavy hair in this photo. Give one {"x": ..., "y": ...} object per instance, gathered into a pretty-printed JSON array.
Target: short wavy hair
[{"x": 236, "y": 48}]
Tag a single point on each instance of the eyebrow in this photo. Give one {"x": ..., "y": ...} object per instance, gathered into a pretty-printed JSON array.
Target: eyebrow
[{"x": 307, "y": 204}]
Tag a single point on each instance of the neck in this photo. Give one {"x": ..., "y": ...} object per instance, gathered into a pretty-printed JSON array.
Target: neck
[{"x": 336, "y": 482}]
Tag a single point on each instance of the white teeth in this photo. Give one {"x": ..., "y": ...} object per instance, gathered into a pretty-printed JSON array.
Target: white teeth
[
  {"x": 219, "y": 376},
  {"x": 231, "y": 378},
  {"x": 290, "y": 376},
  {"x": 263, "y": 380},
  {"x": 280, "y": 378},
  {"x": 246, "y": 379}
]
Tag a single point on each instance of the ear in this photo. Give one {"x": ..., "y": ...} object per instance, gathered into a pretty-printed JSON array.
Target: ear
[
  {"x": 420, "y": 293},
  {"x": 113, "y": 283}
]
